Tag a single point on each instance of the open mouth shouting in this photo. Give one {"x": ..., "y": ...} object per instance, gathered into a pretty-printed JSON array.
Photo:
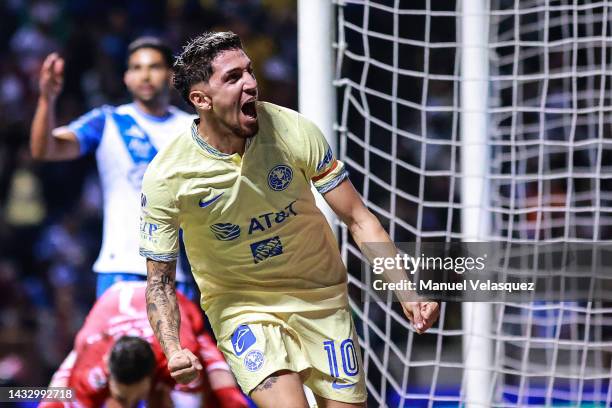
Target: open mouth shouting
[{"x": 249, "y": 111}]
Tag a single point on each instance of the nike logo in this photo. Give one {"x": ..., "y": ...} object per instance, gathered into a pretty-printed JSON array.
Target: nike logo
[
  {"x": 337, "y": 386},
  {"x": 239, "y": 344},
  {"x": 204, "y": 204}
]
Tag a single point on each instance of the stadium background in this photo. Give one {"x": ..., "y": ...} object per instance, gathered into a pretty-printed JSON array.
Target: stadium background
[{"x": 50, "y": 213}]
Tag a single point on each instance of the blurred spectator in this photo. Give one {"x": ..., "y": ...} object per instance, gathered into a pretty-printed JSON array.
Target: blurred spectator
[{"x": 34, "y": 40}]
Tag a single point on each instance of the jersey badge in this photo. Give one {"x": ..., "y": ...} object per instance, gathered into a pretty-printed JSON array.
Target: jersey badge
[
  {"x": 254, "y": 360},
  {"x": 280, "y": 177}
]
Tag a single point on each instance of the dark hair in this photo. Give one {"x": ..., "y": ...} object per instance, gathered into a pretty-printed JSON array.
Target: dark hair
[
  {"x": 154, "y": 43},
  {"x": 194, "y": 64},
  {"x": 131, "y": 360}
]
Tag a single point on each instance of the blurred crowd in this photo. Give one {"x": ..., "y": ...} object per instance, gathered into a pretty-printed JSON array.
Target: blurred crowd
[{"x": 50, "y": 213}]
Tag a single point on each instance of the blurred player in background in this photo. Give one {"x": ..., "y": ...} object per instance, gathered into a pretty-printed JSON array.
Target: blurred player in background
[
  {"x": 125, "y": 139},
  {"x": 117, "y": 360},
  {"x": 274, "y": 287}
]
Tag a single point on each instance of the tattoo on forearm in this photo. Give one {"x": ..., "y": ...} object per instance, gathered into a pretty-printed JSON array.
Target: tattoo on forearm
[
  {"x": 266, "y": 384},
  {"x": 151, "y": 308},
  {"x": 162, "y": 306}
]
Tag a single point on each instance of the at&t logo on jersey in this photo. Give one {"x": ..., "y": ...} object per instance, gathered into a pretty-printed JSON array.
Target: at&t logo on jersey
[
  {"x": 254, "y": 360},
  {"x": 226, "y": 231},
  {"x": 280, "y": 177},
  {"x": 242, "y": 339},
  {"x": 264, "y": 221}
]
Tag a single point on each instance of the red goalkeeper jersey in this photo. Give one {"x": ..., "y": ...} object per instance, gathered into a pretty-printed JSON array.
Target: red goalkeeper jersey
[{"x": 119, "y": 312}]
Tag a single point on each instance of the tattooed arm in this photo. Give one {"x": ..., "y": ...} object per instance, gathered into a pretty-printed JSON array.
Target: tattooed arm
[
  {"x": 165, "y": 318},
  {"x": 162, "y": 307}
]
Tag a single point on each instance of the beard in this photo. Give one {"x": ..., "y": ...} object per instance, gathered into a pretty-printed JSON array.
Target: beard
[
  {"x": 242, "y": 132},
  {"x": 250, "y": 132}
]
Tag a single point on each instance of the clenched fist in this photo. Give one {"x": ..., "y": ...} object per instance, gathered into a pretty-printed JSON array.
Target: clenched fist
[
  {"x": 51, "y": 78},
  {"x": 422, "y": 314},
  {"x": 184, "y": 367}
]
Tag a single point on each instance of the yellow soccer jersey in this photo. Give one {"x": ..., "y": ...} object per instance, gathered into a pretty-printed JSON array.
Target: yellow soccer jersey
[{"x": 254, "y": 237}]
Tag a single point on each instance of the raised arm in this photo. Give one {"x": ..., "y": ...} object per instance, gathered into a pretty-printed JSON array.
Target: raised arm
[
  {"x": 165, "y": 318},
  {"x": 46, "y": 142},
  {"x": 364, "y": 228}
]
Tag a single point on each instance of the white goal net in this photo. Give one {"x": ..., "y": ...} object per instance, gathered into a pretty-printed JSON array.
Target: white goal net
[{"x": 549, "y": 179}]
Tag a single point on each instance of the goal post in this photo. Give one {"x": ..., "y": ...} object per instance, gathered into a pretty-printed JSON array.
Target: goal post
[
  {"x": 316, "y": 92},
  {"x": 475, "y": 218}
]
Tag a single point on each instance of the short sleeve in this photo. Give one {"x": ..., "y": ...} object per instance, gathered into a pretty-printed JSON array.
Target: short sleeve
[
  {"x": 89, "y": 129},
  {"x": 321, "y": 166},
  {"x": 159, "y": 228}
]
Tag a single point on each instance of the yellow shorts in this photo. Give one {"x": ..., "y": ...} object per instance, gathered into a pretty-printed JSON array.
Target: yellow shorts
[{"x": 321, "y": 344}]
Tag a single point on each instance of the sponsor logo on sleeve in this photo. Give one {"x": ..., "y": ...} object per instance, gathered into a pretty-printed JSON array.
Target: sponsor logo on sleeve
[{"x": 148, "y": 230}]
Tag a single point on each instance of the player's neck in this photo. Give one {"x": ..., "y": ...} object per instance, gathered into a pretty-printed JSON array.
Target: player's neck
[
  {"x": 159, "y": 109},
  {"x": 221, "y": 139}
]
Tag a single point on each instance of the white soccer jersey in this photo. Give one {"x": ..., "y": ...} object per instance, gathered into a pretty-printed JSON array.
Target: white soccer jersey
[{"x": 125, "y": 140}]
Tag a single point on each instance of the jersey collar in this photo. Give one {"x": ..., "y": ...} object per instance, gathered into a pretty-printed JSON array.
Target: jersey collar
[{"x": 207, "y": 147}]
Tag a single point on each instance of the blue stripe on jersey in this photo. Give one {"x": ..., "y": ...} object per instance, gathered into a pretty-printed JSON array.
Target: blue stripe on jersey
[
  {"x": 89, "y": 129},
  {"x": 136, "y": 140}
]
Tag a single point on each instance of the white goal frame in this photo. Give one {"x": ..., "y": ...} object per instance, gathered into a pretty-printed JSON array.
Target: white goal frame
[{"x": 318, "y": 102}]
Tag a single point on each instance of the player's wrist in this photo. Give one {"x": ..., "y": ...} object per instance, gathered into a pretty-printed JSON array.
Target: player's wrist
[
  {"x": 46, "y": 99},
  {"x": 172, "y": 351}
]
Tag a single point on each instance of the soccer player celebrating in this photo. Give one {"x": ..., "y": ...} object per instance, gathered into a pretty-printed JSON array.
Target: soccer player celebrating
[
  {"x": 272, "y": 280},
  {"x": 125, "y": 139},
  {"x": 117, "y": 361}
]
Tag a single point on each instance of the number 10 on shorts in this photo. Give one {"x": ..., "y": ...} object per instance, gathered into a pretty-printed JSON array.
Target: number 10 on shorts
[{"x": 348, "y": 355}]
